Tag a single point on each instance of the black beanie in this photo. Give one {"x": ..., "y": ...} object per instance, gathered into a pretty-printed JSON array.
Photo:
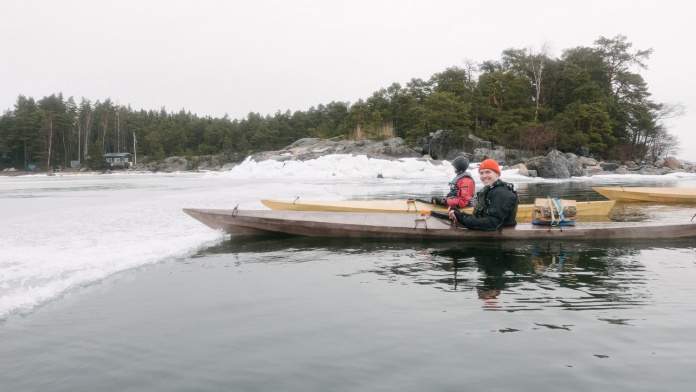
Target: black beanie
[{"x": 460, "y": 163}]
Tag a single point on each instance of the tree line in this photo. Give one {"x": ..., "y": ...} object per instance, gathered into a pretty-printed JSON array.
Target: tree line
[{"x": 591, "y": 99}]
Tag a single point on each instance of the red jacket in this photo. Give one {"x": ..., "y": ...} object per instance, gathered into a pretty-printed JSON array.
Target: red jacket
[{"x": 465, "y": 191}]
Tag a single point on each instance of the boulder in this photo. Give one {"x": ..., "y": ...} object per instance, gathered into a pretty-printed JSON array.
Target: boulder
[
  {"x": 499, "y": 155},
  {"x": 672, "y": 162},
  {"x": 473, "y": 142},
  {"x": 608, "y": 166},
  {"x": 521, "y": 169},
  {"x": 453, "y": 154},
  {"x": 553, "y": 165},
  {"x": 575, "y": 165},
  {"x": 594, "y": 169},
  {"x": 587, "y": 162},
  {"x": 439, "y": 144},
  {"x": 651, "y": 170}
]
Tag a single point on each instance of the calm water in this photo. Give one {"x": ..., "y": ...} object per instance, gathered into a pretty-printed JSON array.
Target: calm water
[{"x": 106, "y": 285}]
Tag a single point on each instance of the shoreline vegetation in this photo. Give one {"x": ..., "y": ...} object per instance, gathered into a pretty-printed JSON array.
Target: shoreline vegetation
[
  {"x": 554, "y": 165},
  {"x": 592, "y": 102}
]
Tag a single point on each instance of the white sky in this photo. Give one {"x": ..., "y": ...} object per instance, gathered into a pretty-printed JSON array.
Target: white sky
[{"x": 233, "y": 57}]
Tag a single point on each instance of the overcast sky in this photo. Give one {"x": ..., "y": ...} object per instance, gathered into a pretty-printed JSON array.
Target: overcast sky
[{"x": 234, "y": 57}]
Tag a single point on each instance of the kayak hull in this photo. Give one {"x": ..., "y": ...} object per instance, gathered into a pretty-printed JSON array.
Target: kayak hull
[
  {"x": 417, "y": 226},
  {"x": 650, "y": 194}
]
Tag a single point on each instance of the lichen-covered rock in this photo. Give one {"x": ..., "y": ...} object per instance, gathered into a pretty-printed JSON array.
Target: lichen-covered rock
[{"x": 312, "y": 148}]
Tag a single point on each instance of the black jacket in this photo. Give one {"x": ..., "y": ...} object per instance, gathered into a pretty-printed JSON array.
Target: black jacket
[{"x": 495, "y": 207}]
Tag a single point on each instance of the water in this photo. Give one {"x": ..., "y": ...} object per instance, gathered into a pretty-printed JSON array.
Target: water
[{"x": 105, "y": 284}]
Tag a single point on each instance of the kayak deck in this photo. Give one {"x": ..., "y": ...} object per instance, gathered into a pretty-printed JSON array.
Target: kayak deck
[{"x": 524, "y": 211}]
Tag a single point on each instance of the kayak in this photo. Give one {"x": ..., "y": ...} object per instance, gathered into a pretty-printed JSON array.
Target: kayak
[
  {"x": 524, "y": 211},
  {"x": 420, "y": 226},
  {"x": 659, "y": 195}
]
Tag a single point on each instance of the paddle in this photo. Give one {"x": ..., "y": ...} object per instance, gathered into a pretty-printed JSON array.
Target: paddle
[
  {"x": 436, "y": 200},
  {"x": 436, "y": 214}
]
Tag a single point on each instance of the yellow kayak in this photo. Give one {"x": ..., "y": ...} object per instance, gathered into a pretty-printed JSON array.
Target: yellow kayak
[
  {"x": 524, "y": 211},
  {"x": 658, "y": 195}
]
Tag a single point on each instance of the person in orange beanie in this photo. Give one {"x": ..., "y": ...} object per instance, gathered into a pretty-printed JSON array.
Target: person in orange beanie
[
  {"x": 490, "y": 164},
  {"x": 496, "y": 204}
]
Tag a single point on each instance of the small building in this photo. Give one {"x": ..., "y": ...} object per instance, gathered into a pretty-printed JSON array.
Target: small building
[{"x": 119, "y": 159}]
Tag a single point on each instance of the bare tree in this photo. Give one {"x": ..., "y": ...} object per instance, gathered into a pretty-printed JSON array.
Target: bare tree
[
  {"x": 49, "y": 124},
  {"x": 536, "y": 65},
  {"x": 670, "y": 110},
  {"x": 470, "y": 68},
  {"x": 662, "y": 144}
]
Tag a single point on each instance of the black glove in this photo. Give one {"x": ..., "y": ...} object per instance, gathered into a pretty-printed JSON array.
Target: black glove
[
  {"x": 439, "y": 201},
  {"x": 459, "y": 215}
]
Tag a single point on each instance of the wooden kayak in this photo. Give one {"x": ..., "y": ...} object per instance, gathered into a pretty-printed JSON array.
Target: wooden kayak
[
  {"x": 524, "y": 211},
  {"x": 658, "y": 195},
  {"x": 417, "y": 226}
]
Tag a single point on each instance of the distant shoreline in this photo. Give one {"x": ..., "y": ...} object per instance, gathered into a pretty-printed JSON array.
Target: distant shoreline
[
  {"x": 181, "y": 165},
  {"x": 69, "y": 172}
]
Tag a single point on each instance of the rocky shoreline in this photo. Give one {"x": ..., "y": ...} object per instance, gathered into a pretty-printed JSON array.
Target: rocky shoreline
[{"x": 553, "y": 165}]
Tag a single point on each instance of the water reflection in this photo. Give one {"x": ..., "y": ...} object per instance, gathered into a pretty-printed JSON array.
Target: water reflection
[
  {"x": 507, "y": 276},
  {"x": 642, "y": 211},
  {"x": 515, "y": 277}
]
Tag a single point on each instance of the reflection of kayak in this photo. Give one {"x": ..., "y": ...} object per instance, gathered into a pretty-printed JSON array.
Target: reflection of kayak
[
  {"x": 524, "y": 211},
  {"x": 387, "y": 225},
  {"x": 660, "y": 195}
]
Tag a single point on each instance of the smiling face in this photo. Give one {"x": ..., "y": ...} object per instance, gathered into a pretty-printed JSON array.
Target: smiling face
[{"x": 488, "y": 176}]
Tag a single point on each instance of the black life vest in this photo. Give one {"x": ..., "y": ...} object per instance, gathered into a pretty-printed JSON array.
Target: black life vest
[{"x": 481, "y": 202}]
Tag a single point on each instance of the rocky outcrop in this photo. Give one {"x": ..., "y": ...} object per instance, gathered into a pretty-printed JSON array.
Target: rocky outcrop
[
  {"x": 440, "y": 144},
  {"x": 559, "y": 165},
  {"x": 168, "y": 165},
  {"x": 310, "y": 148},
  {"x": 443, "y": 144},
  {"x": 180, "y": 164},
  {"x": 553, "y": 165}
]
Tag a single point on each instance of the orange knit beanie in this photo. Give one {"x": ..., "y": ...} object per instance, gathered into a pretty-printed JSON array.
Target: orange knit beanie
[{"x": 489, "y": 164}]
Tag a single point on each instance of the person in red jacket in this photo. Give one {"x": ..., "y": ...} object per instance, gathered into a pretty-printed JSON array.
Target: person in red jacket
[
  {"x": 461, "y": 187},
  {"x": 496, "y": 204}
]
